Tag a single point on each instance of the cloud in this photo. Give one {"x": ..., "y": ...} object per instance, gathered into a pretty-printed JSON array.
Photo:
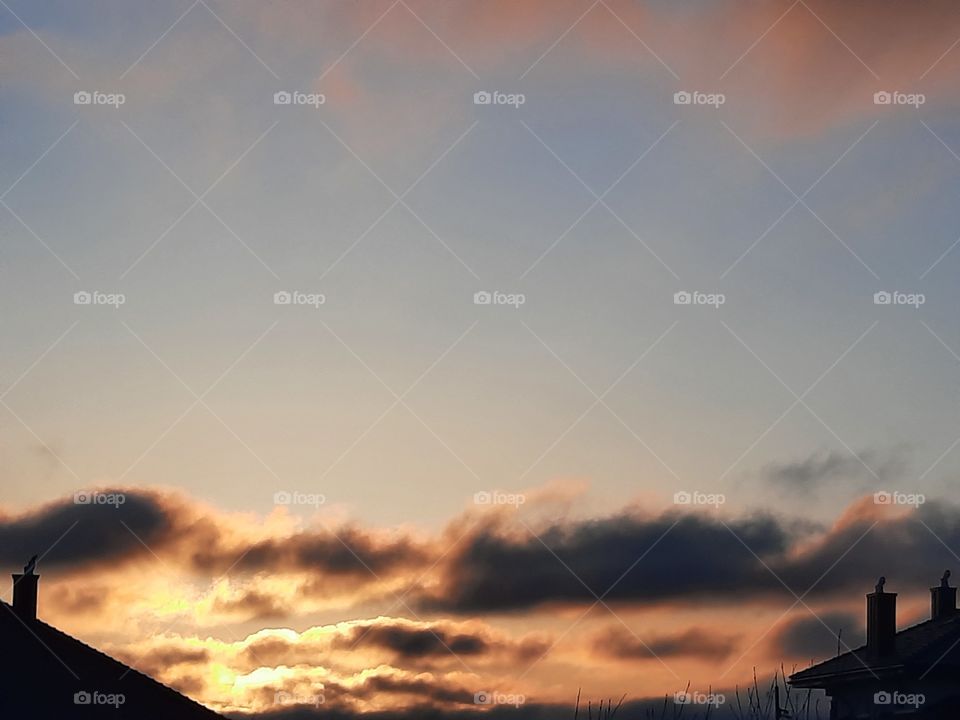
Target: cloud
[
  {"x": 144, "y": 523},
  {"x": 622, "y": 557},
  {"x": 697, "y": 642},
  {"x": 385, "y": 669},
  {"x": 499, "y": 565},
  {"x": 644, "y": 560},
  {"x": 253, "y": 605},
  {"x": 410, "y": 640},
  {"x": 786, "y": 69},
  {"x": 807, "y": 637},
  {"x": 827, "y": 468},
  {"x": 415, "y": 642},
  {"x": 395, "y": 640},
  {"x": 161, "y": 658},
  {"x": 346, "y": 551},
  {"x": 69, "y": 534}
]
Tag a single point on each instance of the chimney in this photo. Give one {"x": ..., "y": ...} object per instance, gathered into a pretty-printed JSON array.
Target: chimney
[
  {"x": 25, "y": 595},
  {"x": 943, "y": 599},
  {"x": 881, "y": 621}
]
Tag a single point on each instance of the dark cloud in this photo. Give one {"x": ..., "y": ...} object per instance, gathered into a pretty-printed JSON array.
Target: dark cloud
[
  {"x": 644, "y": 560},
  {"x": 178, "y": 666},
  {"x": 406, "y": 641},
  {"x": 414, "y": 642},
  {"x": 808, "y": 637},
  {"x": 71, "y": 532},
  {"x": 910, "y": 547},
  {"x": 501, "y": 566},
  {"x": 77, "y": 532},
  {"x": 424, "y": 691},
  {"x": 624, "y": 557},
  {"x": 827, "y": 468},
  {"x": 702, "y": 643},
  {"x": 346, "y": 551},
  {"x": 253, "y": 605}
]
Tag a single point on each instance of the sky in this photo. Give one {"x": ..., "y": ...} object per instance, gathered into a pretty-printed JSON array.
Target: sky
[{"x": 391, "y": 395}]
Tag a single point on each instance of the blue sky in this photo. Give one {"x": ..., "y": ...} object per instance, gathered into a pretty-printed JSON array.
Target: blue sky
[{"x": 488, "y": 215}]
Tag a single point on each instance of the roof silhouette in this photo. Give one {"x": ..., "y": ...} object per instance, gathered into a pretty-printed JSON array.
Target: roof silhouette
[
  {"x": 45, "y": 673},
  {"x": 929, "y": 649}
]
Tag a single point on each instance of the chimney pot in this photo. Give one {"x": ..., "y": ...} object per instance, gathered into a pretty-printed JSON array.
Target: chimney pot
[
  {"x": 25, "y": 595},
  {"x": 943, "y": 599},
  {"x": 881, "y": 622}
]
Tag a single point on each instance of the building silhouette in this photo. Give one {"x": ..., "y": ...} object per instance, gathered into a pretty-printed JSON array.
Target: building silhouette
[
  {"x": 46, "y": 674},
  {"x": 914, "y": 673}
]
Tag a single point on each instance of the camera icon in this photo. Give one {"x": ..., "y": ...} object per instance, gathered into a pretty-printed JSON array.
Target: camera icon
[
  {"x": 882, "y": 97},
  {"x": 682, "y": 498},
  {"x": 682, "y": 298},
  {"x": 482, "y": 298},
  {"x": 482, "y": 97},
  {"x": 82, "y": 97},
  {"x": 82, "y": 698},
  {"x": 82, "y": 497},
  {"x": 282, "y": 298},
  {"x": 682, "y": 698},
  {"x": 682, "y": 98},
  {"x": 482, "y": 498},
  {"x": 882, "y": 698},
  {"x": 282, "y": 97},
  {"x": 82, "y": 298},
  {"x": 882, "y": 298},
  {"x": 883, "y": 498},
  {"x": 282, "y": 498},
  {"x": 482, "y": 698}
]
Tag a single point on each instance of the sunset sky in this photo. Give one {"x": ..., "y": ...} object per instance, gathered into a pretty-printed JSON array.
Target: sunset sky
[{"x": 392, "y": 496}]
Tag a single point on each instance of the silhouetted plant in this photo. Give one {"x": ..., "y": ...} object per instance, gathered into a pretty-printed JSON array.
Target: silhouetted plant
[{"x": 748, "y": 703}]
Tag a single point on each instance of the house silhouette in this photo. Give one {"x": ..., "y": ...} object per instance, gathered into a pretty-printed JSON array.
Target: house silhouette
[
  {"x": 45, "y": 673},
  {"x": 914, "y": 673}
]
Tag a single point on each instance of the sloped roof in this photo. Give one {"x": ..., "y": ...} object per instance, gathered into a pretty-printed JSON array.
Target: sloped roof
[
  {"x": 42, "y": 668},
  {"x": 929, "y": 648}
]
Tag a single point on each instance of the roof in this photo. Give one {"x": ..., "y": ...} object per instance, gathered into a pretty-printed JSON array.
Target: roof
[
  {"x": 929, "y": 648},
  {"x": 42, "y": 670}
]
